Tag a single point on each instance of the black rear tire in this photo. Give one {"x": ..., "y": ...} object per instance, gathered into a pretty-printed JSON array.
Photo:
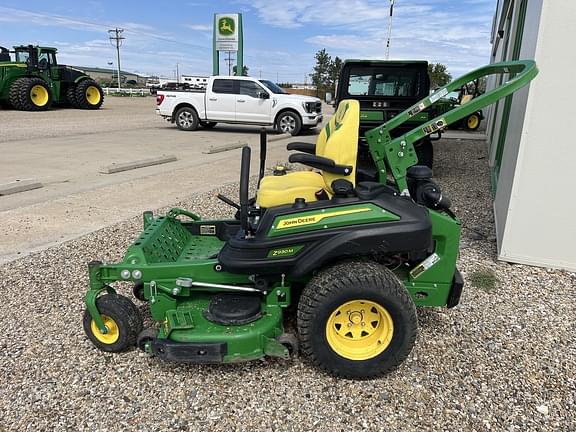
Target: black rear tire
[
  {"x": 88, "y": 95},
  {"x": 15, "y": 92},
  {"x": 123, "y": 320},
  {"x": 71, "y": 96},
  {"x": 425, "y": 152},
  {"x": 186, "y": 119},
  {"x": 390, "y": 320},
  {"x": 30, "y": 94}
]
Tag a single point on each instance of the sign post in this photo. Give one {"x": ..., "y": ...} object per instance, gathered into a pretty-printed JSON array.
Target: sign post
[{"x": 228, "y": 36}]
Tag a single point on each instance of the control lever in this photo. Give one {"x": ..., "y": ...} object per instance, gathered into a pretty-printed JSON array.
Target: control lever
[
  {"x": 263, "y": 143},
  {"x": 228, "y": 201}
]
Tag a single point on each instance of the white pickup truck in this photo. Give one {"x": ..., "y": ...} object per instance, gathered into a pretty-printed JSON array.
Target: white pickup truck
[{"x": 240, "y": 100}]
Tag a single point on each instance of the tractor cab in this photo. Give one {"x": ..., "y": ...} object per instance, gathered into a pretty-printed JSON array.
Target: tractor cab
[{"x": 36, "y": 58}]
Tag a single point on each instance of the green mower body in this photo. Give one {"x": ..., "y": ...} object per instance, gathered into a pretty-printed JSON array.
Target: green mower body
[{"x": 354, "y": 265}]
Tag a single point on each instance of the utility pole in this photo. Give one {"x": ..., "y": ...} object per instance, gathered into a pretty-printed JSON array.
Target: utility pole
[
  {"x": 116, "y": 36},
  {"x": 277, "y": 78},
  {"x": 229, "y": 61},
  {"x": 389, "y": 29},
  {"x": 177, "y": 74}
]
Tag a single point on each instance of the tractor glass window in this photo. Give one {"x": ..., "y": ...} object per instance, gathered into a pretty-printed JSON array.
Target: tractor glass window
[
  {"x": 22, "y": 56},
  {"x": 384, "y": 81},
  {"x": 250, "y": 88},
  {"x": 223, "y": 86}
]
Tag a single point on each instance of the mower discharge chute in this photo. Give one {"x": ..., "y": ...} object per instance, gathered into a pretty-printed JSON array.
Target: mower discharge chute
[{"x": 356, "y": 258}]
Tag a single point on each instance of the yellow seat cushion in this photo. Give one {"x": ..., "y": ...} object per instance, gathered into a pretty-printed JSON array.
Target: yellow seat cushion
[
  {"x": 337, "y": 141},
  {"x": 281, "y": 190}
]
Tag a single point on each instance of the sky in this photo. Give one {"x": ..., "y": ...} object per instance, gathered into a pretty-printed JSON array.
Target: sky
[{"x": 280, "y": 36}]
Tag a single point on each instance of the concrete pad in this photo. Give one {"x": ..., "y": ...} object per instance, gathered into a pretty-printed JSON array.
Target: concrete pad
[
  {"x": 115, "y": 168},
  {"x": 19, "y": 186},
  {"x": 226, "y": 147}
]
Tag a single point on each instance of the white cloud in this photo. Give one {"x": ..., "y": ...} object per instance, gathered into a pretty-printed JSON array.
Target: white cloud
[
  {"x": 453, "y": 33},
  {"x": 200, "y": 27}
]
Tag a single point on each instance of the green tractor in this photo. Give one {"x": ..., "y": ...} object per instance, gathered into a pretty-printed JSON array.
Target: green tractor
[
  {"x": 353, "y": 257},
  {"x": 466, "y": 93},
  {"x": 34, "y": 81}
]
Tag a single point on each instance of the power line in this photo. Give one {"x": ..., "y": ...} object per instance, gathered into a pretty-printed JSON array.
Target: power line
[{"x": 118, "y": 41}]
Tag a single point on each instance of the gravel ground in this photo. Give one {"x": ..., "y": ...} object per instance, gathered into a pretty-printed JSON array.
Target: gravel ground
[{"x": 505, "y": 359}]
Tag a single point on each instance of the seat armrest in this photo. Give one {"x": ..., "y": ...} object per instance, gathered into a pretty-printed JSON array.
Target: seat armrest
[
  {"x": 320, "y": 163},
  {"x": 302, "y": 146}
]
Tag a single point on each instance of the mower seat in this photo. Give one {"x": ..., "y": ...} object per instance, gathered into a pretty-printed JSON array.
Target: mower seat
[{"x": 335, "y": 155}]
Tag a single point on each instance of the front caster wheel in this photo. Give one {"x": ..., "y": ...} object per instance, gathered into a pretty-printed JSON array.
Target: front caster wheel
[
  {"x": 122, "y": 320},
  {"x": 356, "y": 320},
  {"x": 146, "y": 336}
]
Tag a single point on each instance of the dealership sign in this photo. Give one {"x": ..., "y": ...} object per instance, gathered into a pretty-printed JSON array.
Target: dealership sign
[{"x": 226, "y": 32}]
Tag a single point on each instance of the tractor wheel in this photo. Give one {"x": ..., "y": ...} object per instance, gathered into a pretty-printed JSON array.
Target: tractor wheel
[
  {"x": 15, "y": 92},
  {"x": 425, "y": 153},
  {"x": 289, "y": 122},
  {"x": 187, "y": 119},
  {"x": 121, "y": 317},
  {"x": 71, "y": 96},
  {"x": 208, "y": 125},
  {"x": 89, "y": 95},
  {"x": 30, "y": 94},
  {"x": 472, "y": 122},
  {"x": 356, "y": 320}
]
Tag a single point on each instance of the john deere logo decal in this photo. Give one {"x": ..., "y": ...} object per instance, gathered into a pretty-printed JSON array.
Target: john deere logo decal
[{"x": 226, "y": 26}]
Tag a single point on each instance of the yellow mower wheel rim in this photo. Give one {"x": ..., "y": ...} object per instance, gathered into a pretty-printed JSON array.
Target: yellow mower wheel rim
[
  {"x": 39, "y": 95},
  {"x": 113, "y": 331},
  {"x": 359, "y": 330},
  {"x": 473, "y": 121},
  {"x": 93, "y": 95}
]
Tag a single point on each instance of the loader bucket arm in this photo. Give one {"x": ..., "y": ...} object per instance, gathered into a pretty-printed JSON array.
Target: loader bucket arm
[{"x": 398, "y": 154}]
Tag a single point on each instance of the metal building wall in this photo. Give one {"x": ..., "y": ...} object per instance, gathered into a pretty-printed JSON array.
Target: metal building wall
[{"x": 533, "y": 207}]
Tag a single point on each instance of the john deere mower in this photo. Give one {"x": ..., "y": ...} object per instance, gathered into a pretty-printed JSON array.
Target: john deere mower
[
  {"x": 34, "y": 81},
  {"x": 354, "y": 258}
]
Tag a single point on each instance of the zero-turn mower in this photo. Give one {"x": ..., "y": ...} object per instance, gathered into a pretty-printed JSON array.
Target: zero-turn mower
[{"x": 355, "y": 258}]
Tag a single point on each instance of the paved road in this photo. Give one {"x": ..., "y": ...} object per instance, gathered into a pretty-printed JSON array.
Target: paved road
[{"x": 64, "y": 149}]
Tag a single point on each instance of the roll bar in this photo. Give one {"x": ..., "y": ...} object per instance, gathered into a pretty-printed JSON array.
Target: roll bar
[{"x": 398, "y": 154}]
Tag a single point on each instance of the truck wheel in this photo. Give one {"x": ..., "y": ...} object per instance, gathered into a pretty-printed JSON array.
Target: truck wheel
[
  {"x": 88, "y": 95},
  {"x": 425, "y": 152},
  {"x": 30, "y": 94},
  {"x": 356, "y": 320},
  {"x": 208, "y": 125},
  {"x": 472, "y": 122},
  {"x": 289, "y": 122},
  {"x": 187, "y": 119},
  {"x": 121, "y": 317}
]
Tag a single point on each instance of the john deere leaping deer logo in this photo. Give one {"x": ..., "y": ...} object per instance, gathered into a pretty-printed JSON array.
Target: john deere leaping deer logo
[{"x": 226, "y": 26}]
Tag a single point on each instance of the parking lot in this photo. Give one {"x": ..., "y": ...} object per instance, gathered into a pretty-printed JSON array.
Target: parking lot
[{"x": 65, "y": 149}]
